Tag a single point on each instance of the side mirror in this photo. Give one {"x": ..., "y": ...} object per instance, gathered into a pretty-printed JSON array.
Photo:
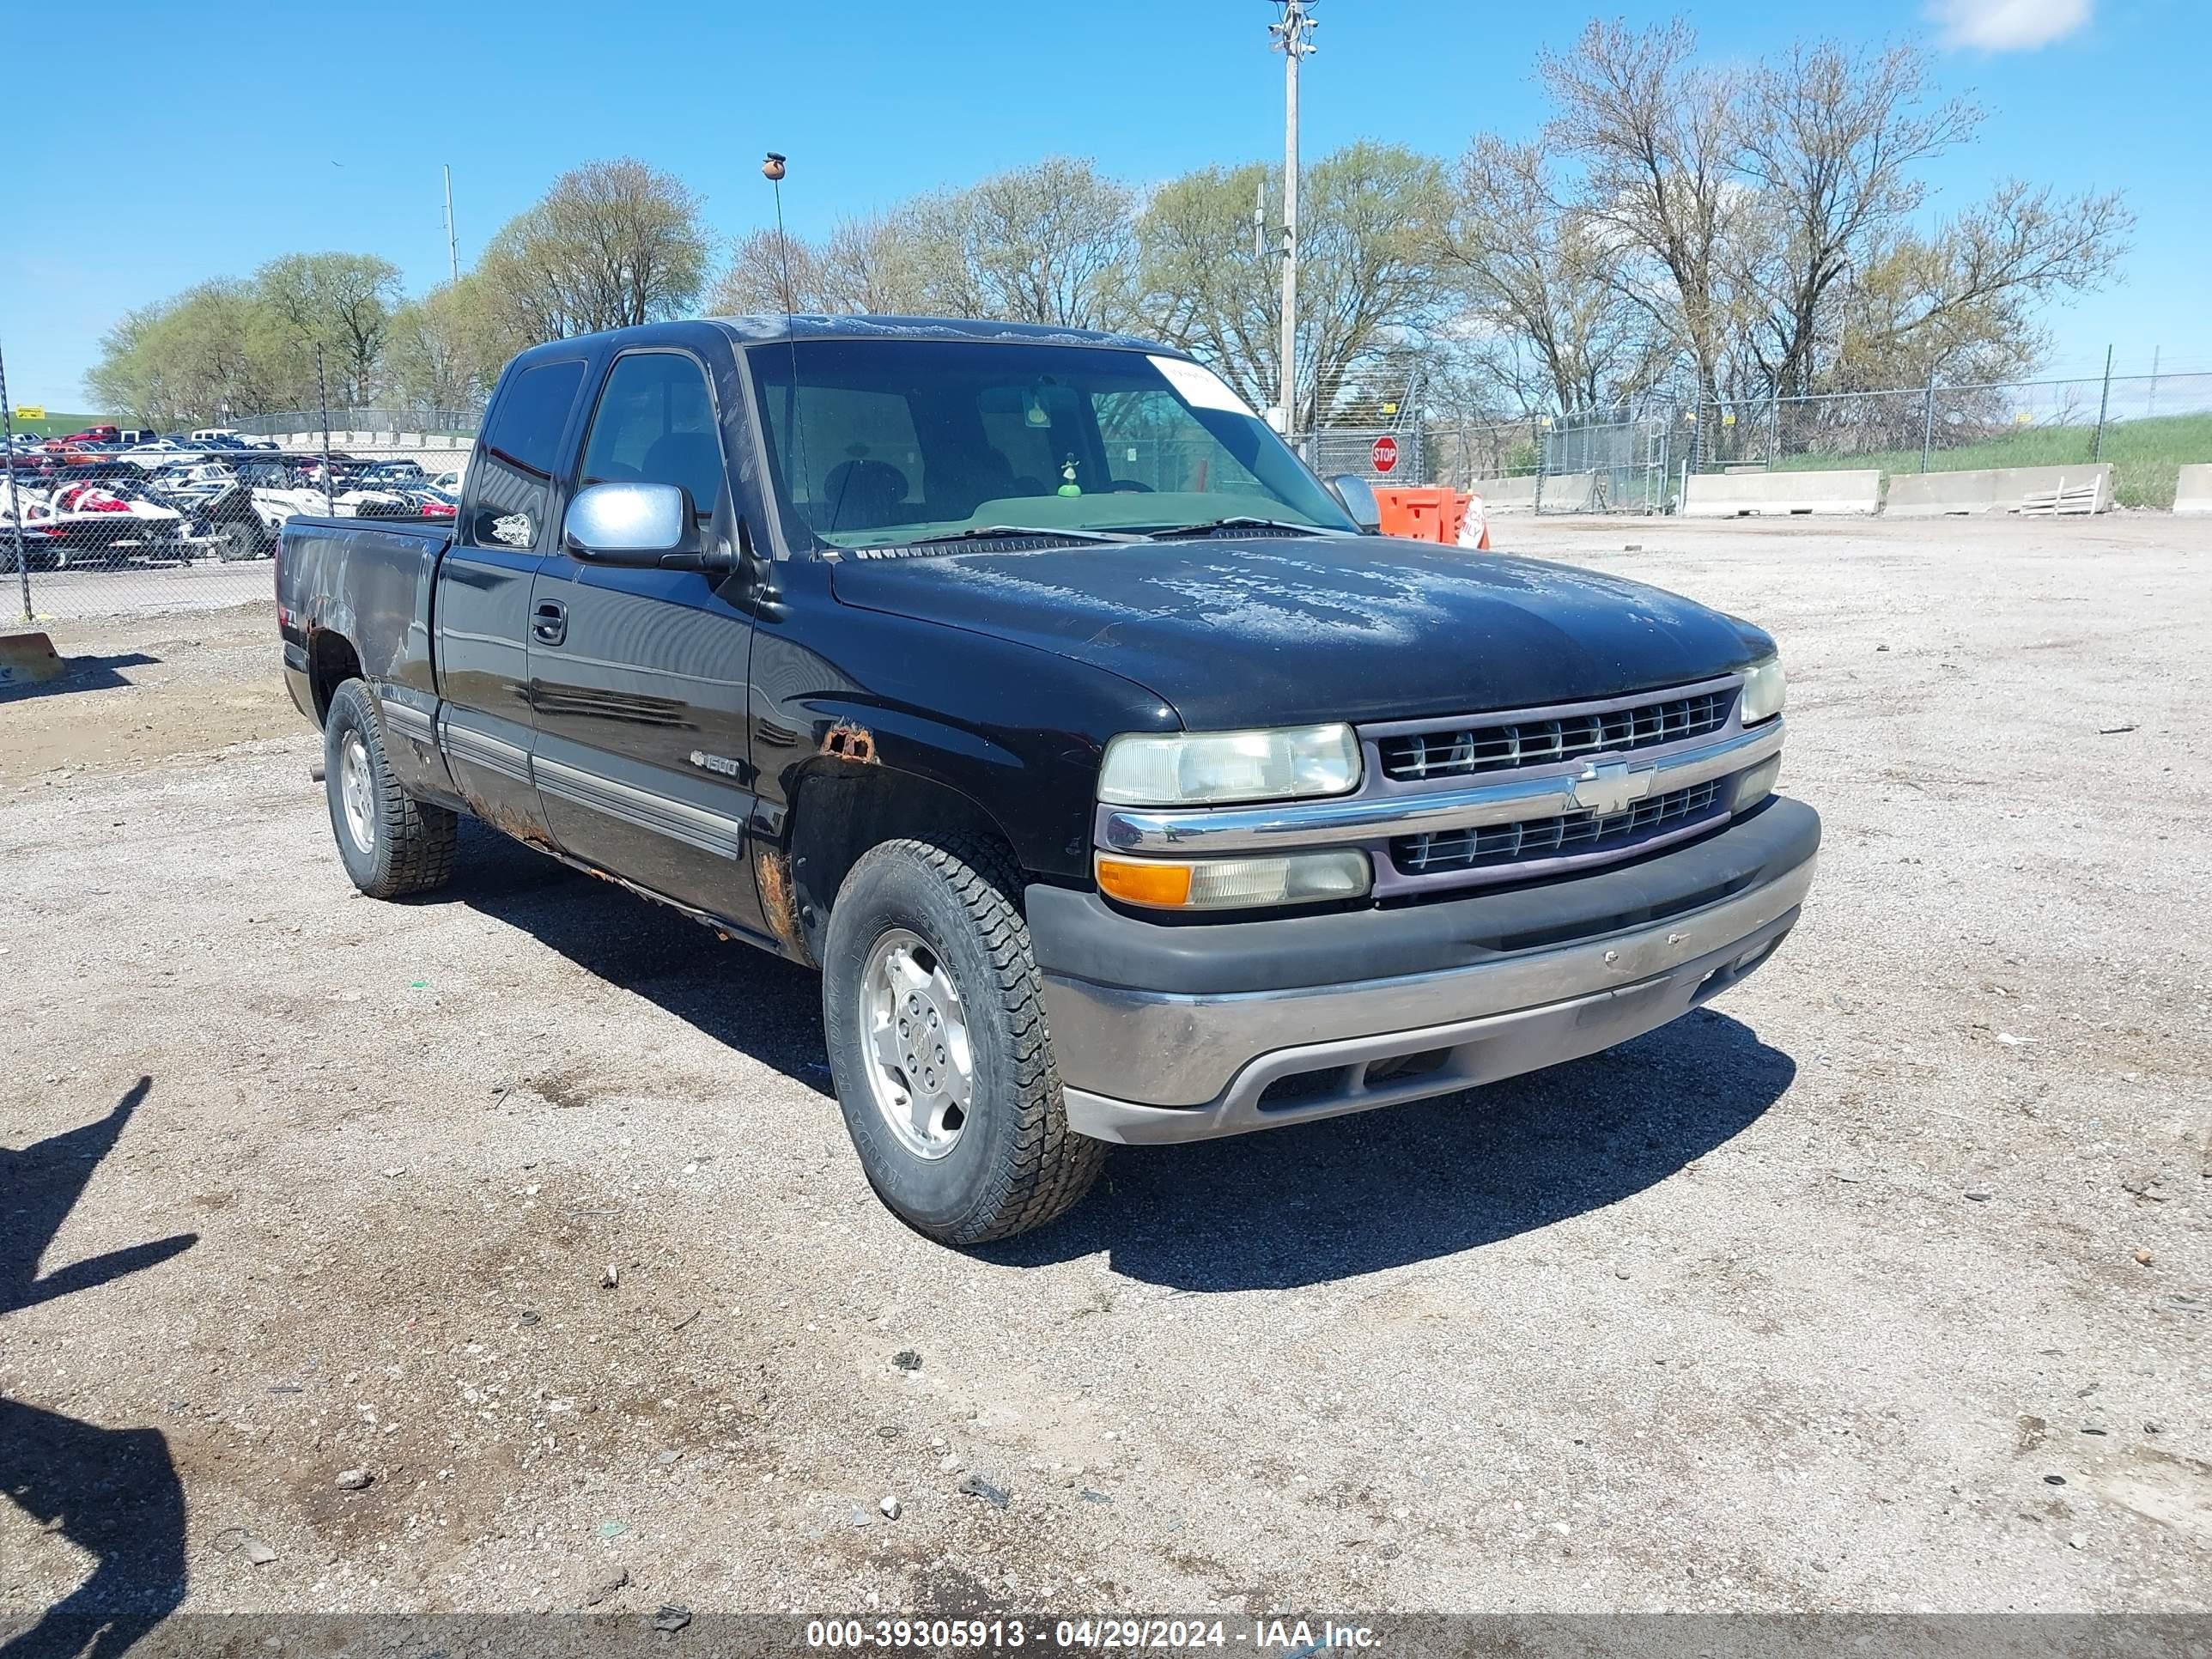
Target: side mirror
[
  {"x": 647, "y": 524},
  {"x": 1359, "y": 498}
]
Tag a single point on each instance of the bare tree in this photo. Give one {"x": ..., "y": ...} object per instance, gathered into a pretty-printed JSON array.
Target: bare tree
[
  {"x": 1961, "y": 303},
  {"x": 770, "y": 271},
  {"x": 611, "y": 245},
  {"x": 1830, "y": 140},
  {"x": 1544, "y": 284},
  {"x": 1050, "y": 243},
  {"x": 1655, "y": 135}
]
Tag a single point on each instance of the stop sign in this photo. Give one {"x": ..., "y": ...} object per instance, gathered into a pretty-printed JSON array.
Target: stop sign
[{"x": 1385, "y": 453}]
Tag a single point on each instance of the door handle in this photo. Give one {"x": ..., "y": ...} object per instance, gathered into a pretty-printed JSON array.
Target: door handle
[{"x": 548, "y": 624}]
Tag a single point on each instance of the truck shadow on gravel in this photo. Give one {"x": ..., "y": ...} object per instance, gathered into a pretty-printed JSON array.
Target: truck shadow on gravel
[
  {"x": 1288, "y": 1208},
  {"x": 112, "y": 1492},
  {"x": 744, "y": 998},
  {"x": 1351, "y": 1195}
]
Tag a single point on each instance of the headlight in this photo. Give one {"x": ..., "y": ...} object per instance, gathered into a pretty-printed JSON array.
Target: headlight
[
  {"x": 1762, "y": 691},
  {"x": 1236, "y": 883},
  {"x": 1204, "y": 768}
]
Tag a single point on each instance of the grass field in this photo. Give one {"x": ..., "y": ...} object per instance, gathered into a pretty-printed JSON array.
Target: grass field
[
  {"x": 58, "y": 425},
  {"x": 2145, "y": 454}
]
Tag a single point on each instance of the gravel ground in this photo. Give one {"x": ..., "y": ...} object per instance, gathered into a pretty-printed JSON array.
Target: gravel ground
[
  {"x": 138, "y": 589},
  {"x": 1882, "y": 1286}
]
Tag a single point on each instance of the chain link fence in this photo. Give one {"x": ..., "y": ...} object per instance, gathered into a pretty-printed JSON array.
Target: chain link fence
[
  {"x": 96, "y": 528},
  {"x": 2147, "y": 426}
]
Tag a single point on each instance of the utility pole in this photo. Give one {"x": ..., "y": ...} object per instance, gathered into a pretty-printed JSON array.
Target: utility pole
[
  {"x": 1294, "y": 39},
  {"x": 452, "y": 248}
]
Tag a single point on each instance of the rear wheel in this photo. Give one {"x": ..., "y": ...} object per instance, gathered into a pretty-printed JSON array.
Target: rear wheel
[
  {"x": 938, "y": 1045},
  {"x": 391, "y": 844}
]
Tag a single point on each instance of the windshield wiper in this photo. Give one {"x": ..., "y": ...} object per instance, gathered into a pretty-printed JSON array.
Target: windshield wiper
[
  {"x": 1000, "y": 532},
  {"x": 1240, "y": 522}
]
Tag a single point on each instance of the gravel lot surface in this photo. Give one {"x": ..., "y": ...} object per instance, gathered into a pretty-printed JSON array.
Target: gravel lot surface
[
  {"x": 137, "y": 589},
  {"x": 1884, "y": 1285}
]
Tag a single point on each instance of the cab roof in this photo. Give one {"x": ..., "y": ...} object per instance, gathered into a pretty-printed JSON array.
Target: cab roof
[{"x": 774, "y": 329}]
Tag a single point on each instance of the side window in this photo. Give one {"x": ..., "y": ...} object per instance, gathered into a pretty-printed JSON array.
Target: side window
[
  {"x": 655, "y": 424},
  {"x": 515, "y": 458}
]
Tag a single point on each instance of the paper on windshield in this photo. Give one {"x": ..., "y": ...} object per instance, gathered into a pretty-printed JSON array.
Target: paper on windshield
[{"x": 1200, "y": 387}]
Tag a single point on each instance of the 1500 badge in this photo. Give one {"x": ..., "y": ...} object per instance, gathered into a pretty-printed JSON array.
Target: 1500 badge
[{"x": 722, "y": 763}]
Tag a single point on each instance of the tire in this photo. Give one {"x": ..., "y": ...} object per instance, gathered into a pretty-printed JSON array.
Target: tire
[
  {"x": 238, "y": 544},
  {"x": 1011, "y": 1163},
  {"x": 391, "y": 844}
]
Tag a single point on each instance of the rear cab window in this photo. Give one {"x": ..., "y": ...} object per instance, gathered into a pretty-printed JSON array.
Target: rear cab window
[{"x": 512, "y": 476}]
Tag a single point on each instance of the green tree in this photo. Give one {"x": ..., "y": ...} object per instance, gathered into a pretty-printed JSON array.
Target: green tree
[
  {"x": 341, "y": 302},
  {"x": 445, "y": 350},
  {"x": 611, "y": 245},
  {"x": 188, "y": 361},
  {"x": 1372, "y": 219}
]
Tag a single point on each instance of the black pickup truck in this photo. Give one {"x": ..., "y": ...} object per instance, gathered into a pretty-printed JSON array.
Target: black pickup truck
[{"x": 1123, "y": 785}]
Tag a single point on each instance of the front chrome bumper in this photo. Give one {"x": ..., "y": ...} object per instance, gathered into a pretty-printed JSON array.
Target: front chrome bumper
[{"x": 1144, "y": 1066}]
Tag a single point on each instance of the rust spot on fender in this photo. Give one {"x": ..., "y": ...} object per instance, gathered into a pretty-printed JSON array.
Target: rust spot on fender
[
  {"x": 779, "y": 904},
  {"x": 847, "y": 740}
]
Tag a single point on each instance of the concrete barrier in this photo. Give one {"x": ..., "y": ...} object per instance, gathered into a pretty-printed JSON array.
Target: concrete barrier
[
  {"x": 1568, "y": 492},
  {"x": 1780, "y": 494},
  {"x": 2193, "y": 494},
  {"x": 1507, "y": 494},
  {"x": 1560, "y": 492},
  {"x": 2038, "y": 491}
]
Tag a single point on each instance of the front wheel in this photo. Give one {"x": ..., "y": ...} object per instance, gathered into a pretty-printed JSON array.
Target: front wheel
[
  {"x": 938, "y": 1045},
  {"x": 391, "y": 844}
]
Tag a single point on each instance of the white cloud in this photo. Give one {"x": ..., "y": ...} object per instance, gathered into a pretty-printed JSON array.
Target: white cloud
[{"x": 2008, "y": 25}]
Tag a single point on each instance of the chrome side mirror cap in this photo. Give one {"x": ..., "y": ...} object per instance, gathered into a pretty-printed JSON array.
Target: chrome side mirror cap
[
  {"x": 629, "y": 523},
  {"x": 1359, "y": 498}
]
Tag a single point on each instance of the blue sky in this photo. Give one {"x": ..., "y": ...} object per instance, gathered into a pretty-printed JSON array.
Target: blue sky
[{"x": 173, "y": 144}]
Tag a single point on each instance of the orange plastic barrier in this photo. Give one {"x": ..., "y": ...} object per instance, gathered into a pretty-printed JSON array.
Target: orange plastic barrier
[{"x": 1426, "y": 514}]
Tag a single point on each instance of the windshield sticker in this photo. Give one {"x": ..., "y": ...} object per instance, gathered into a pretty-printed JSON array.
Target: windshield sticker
[{"x": 1200, "y": 387}]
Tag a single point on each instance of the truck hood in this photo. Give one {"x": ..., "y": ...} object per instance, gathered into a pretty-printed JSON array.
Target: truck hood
[{"x": 1289, "y": 629}]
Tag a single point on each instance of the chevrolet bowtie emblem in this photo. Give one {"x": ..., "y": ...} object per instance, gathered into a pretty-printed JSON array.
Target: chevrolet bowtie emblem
[{"x": 1611, "y": 787}]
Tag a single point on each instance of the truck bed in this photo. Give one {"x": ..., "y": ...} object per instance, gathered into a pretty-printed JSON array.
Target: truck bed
[{"x": 368, "y": 581}]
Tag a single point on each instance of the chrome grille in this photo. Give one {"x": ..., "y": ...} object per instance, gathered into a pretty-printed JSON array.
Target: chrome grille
[
  {"x": 1454, "y": 752},
  {"x": 1571, "y": 835}
]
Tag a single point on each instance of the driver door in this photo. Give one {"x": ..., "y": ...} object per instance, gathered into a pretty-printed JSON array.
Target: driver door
[{"x": 637, "y": 677}]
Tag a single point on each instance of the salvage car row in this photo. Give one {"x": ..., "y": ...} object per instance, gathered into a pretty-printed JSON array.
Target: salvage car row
[{"x": 227, "y": 504}]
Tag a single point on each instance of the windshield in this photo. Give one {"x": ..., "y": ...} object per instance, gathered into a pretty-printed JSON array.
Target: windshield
[{"x": 874, "y": 442}]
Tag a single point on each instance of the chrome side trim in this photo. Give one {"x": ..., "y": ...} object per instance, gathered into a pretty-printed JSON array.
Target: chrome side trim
[
  {"x": 1163, "y": 1049},
  {"x": 474, "y": 748},
  {"x": 405, "y": 719},
  {"x": 1361, "y": 818},
  {"x": 710, "y": 832}
]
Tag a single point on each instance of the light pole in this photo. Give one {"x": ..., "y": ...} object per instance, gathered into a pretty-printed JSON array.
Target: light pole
[{"x": 1294, "y": 39}]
